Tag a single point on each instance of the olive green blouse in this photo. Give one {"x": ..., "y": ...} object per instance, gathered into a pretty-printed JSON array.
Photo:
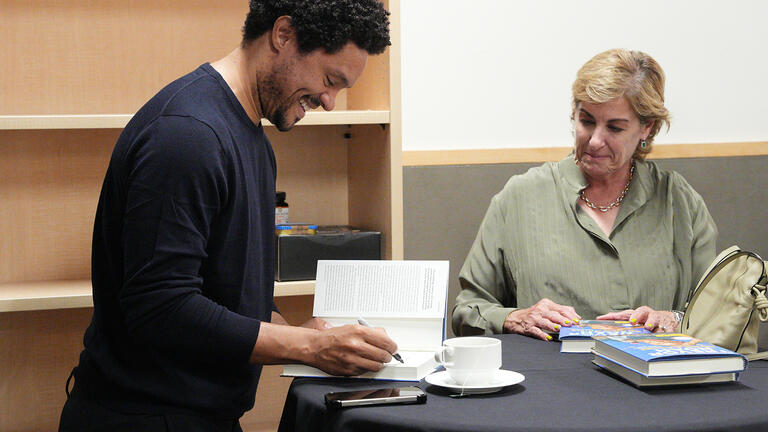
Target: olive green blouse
[{"x": 536, "y": 242}]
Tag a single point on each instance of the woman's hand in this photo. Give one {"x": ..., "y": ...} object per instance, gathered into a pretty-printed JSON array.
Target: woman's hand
[
  {"x": 536, "y": 320},
  {"x": 656, "y": 321}
]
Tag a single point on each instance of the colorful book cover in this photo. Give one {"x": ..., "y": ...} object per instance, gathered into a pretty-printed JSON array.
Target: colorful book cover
[
  {"x": 589, "y": 328},
  {"x": 665, "y": 346}
]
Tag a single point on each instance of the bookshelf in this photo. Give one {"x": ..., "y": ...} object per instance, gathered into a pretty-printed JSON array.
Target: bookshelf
[{"x": 74, "y": 73}]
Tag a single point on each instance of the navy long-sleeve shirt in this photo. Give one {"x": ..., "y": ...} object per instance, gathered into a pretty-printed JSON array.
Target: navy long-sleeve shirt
[{"x": 183, "y": 255}]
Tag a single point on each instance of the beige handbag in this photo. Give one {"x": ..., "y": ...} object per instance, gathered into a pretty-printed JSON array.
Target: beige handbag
[{"x": 729, "y": 302}]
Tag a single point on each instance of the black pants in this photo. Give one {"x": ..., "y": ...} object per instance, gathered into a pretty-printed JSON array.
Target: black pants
[{"x": 84, "y": 414}]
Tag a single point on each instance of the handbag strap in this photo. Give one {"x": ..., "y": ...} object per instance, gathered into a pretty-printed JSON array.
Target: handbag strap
[{"x": 761, "y": 303}]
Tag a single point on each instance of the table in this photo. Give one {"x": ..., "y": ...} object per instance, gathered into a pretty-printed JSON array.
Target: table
[{"x": 561, "y": 392}]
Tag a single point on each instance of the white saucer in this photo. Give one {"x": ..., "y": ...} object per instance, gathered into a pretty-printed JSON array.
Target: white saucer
[{"x": 502, "y": 378}]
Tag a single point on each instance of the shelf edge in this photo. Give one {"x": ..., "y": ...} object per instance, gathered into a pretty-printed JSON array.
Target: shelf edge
[
  {"x": 73, "y": 121},
  {"x": 70, "y": 295},
  {"x": 46, "y": 303},
  {"x": 296, "y": 288},
  {"x": 118, "y": 121}
]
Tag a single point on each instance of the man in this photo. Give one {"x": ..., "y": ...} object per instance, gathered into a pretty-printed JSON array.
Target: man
[{"x": 183, "y": 257}]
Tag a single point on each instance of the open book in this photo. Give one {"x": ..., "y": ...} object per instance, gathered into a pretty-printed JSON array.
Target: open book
[{"x": 406, "y": 298}]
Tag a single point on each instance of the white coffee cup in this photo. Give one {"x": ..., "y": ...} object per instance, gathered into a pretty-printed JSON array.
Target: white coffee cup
[{"x": 471, "y": 360}]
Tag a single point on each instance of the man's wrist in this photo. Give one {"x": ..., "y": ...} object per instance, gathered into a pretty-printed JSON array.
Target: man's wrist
[{"x": 280, "y": 344}]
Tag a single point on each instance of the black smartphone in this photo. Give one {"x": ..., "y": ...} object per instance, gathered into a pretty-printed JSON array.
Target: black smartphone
[{"x": 383, "y": 396}]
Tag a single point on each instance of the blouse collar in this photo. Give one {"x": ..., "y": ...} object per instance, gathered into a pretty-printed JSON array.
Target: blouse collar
[{"x": 640, "y": 190}]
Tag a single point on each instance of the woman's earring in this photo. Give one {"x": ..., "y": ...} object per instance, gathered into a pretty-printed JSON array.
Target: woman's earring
[{"x": 643, "y": 144}]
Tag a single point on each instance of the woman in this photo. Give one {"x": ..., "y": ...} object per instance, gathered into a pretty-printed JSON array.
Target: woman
[{"x": 603, "y": 233}]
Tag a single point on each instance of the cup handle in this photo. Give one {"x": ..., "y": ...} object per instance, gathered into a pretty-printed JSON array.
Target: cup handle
[{"x": 440, "y": 356}]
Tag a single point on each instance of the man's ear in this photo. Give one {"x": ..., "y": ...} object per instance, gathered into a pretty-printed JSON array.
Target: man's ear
[{"x": 283, "y": 33}]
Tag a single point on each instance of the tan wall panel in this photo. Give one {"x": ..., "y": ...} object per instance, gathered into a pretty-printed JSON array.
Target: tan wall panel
[
  {"x": 370, "y": 193},
  {"x": 312, "y": 170},
  {"x": 49, "y": 188},
  {"x": 110, "y": 56},
  {"x": 371, "y": 92},
  {"x": 37, "y": 352},
  {"x": 107, "y": 56},
  {"x": 674, "y": 151},
  {"x": 543, "y": 154}
]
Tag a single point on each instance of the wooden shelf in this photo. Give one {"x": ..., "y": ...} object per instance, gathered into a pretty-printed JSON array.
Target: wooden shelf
[
  {"x": 342, "y": 118},
  {"x": 30, "y": 296},
  {"x": 27, "y": 296},
  {"x": 95, "y": 121},
  {"x": 118, "y": 121},
  {"x": 295, "y": 288}
]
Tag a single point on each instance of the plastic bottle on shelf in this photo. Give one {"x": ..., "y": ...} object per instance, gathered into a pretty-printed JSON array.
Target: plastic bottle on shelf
[{"x": 281, "y": 208}]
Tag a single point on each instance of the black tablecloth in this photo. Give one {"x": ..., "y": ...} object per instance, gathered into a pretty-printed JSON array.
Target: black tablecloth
[{"x": 561, "y": 392}]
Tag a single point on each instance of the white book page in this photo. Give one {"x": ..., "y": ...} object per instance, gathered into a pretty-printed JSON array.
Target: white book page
[
  {"x": 411, "y": 359},
  {"x": 410, "y": 289},
  {"x": 410, "y": 334}
]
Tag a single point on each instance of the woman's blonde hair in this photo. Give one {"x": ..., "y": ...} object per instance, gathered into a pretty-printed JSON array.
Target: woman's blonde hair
[{"x": 632, "y": 74}]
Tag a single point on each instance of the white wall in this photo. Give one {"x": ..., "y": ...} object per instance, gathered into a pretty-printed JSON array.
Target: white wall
[{"x": 487, "y": 74}]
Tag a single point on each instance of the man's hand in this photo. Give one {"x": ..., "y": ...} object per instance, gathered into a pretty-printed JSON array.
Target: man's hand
[
  {"x": 656, "y": 321},
  {"x": 346, "y": 350},
  {"x": 351, "y": 350},
  {"x": 545, "y": 315}
]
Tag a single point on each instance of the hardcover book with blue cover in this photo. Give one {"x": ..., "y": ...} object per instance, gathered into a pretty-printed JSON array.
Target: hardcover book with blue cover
[
  {"x": 643, "y": 381},
  {"x": 668, "y": 354},
  {"x": 578, "y": 338}
]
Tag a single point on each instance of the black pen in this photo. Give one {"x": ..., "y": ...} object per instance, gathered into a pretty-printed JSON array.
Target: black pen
[{"x": 365, "y": 323}]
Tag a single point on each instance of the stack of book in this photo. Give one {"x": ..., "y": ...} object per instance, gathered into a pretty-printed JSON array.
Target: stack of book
[
  {"x": 578, "y": 338},
  {"x": 660, "y": 359}
]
